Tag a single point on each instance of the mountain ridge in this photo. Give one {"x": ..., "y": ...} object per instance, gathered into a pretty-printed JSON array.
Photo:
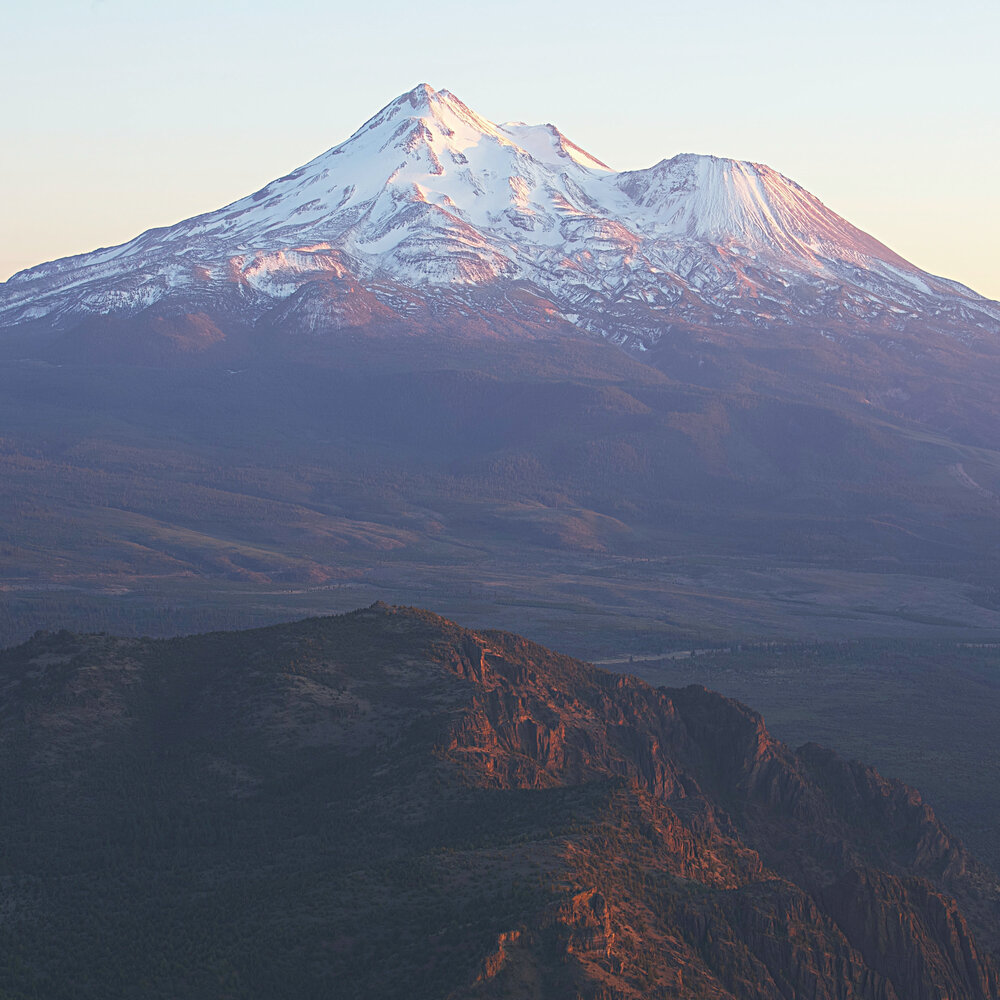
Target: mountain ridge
[{"x": 406, "y": 807}]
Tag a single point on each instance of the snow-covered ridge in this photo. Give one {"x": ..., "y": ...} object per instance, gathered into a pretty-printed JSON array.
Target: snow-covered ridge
[{"x": 429, "y": 194}]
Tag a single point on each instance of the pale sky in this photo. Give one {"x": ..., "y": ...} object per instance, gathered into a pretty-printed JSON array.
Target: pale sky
[{"x": 120, "y": 116}]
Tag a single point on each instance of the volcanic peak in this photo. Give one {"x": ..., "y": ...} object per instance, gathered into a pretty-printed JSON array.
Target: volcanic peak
[
  {"x": 439, "y": 110},
  {"x": 429, "y": 193}
]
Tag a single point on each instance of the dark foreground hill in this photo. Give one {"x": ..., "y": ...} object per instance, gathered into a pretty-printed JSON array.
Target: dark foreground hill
[{"x": 386, "y": 805}]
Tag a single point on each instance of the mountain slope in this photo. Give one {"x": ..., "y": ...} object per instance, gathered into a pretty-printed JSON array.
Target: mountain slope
[{"x": 388, "y": 805}]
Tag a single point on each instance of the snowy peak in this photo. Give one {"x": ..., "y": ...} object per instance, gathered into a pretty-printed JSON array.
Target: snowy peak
[
  {"x": 726, "y": 201},
  {"x": 430, "y": 191},
  {"x": 429, "y": 194},
  {"x": 440, "y": 110},
  {"x": 438, "y": 114}
]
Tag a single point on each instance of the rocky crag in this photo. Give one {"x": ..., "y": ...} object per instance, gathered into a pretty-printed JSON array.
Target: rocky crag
[{"x": 384, "y": 804}]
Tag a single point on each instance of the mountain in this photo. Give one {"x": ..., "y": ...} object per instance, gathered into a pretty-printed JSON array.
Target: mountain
[
  {"x": 384, "y": 804},
  {"x": 470, "y": 365},
  {"x": 428, "y": 201}
]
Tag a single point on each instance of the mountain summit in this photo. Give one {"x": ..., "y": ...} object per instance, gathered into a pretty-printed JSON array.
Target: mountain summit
[{"x": 428, "y": 199}]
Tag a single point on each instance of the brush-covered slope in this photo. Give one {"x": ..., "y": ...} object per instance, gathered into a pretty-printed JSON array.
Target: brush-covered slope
[{"x": 387, "y": 805}]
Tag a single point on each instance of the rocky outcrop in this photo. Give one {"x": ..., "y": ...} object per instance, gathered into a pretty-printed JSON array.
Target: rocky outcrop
[
  {"x": 911, "y": 934},
  {"x": 859, "y": 916},
  {"x": 404, "y": 808}
]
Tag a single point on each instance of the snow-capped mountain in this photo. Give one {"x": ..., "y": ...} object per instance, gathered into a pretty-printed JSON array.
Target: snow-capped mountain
[{"x": 428, "y": 200}]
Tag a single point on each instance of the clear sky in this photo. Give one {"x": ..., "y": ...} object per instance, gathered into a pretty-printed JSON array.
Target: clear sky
[{"x": 119, "y": 116}]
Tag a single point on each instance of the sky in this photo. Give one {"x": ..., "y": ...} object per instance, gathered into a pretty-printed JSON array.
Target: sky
[{"x": 120, "y": 116}]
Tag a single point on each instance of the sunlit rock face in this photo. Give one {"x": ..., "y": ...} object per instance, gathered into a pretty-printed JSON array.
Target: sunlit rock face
[{"x": 428, "y": 201}]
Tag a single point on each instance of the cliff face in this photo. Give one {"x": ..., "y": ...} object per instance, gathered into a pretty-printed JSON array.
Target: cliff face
[
  {"x": 817, "y": 877},
  {"x": 385, "y": 804}
]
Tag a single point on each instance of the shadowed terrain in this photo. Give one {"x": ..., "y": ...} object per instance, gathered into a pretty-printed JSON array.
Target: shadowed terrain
[
  {"x": 385, "y": 804},
  {"x": 555, "y": 476},
  {"x": 923, "y": 711}
]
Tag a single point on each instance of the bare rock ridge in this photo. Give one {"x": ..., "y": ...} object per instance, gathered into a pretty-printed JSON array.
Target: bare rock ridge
[
  {"x": 403, "y": 807},
  {"x": 429, "y": 201}
]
